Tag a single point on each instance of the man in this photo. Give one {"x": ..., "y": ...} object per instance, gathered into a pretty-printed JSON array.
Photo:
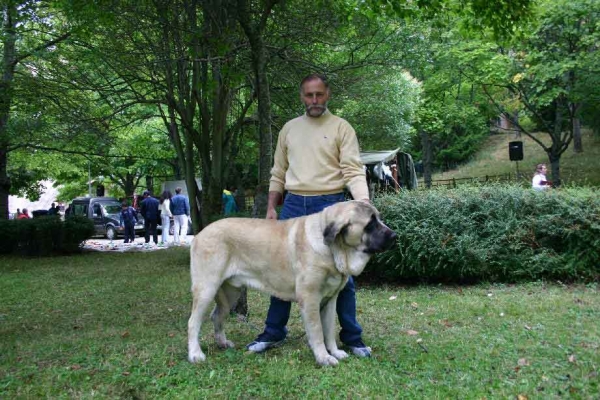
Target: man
[
  {"x": 53, "y": 210},
  {"x": 180, "y": 207},
  {"x": 317, "y": 155},
  {"x": 149, "y": 210}
]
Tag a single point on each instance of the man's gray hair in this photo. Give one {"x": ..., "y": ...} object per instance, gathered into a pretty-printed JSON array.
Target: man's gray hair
[{"x": 313, "y": 77}]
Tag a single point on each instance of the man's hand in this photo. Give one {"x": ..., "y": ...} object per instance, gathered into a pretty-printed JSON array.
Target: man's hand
[
  {"x": 272, "y": 202},
  {"x": 271, "y": 213}
]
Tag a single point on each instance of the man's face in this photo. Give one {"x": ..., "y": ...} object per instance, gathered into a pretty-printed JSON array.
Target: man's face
[{"x": 314, "y": 96}]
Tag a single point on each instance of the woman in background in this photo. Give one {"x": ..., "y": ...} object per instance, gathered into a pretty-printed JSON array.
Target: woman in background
[
  {"x": 165, "y": 215},
  {"x": 539, "y": 181}
]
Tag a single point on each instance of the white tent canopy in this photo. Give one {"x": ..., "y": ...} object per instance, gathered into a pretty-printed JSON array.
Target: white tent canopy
[{"x": 376, "y": 157}]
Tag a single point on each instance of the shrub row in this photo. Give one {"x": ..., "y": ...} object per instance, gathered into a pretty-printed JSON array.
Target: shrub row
[
  {"x": 493, "y": 233},
  {"x": 43, "y": 236}
]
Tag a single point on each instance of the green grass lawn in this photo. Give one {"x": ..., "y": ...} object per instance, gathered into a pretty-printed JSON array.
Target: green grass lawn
[
  {"x": 114, "y": 325},
  {"x": 493, "y": 159}
]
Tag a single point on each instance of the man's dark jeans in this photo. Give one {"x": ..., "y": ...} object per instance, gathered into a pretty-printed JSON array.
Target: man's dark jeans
[
  {"x": 279, "y": 310},
  {"x": 150, "y": 228}
]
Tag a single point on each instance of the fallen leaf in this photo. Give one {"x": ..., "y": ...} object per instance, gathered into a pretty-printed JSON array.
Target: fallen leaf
[
  {"x": 523, "y": 362},
  {"x": 411, "y": 332},
  {"x": 572, "y": 358},
  {"x": 125, "y": 334},
  {"x": 393, "y": 298},
  {"x": 414, "y": 305},
  {"x": 446, "y": 323},
  {"x": 527, "y": 327},
  {"x": 521, "y": 397},
  {"x": 126, "y": 373},
  {"x": 75, "y": 367},
  {"x": 171, "y": 334}
]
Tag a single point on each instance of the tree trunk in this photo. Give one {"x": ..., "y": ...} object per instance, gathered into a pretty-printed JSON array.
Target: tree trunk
[
  {"x": 254, "y": 33},
  {"x": 8, "y": 67},
  {"x": 427, "y": 158},
  {"x": 577, "y": 143},
  {"x": 4, "y": 183}
]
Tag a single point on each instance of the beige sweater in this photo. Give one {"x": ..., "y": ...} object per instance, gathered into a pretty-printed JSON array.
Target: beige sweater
[{"x": 316, "y": 156}]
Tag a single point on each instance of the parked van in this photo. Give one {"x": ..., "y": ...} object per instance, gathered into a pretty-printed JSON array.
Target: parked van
[{"x": 104, "y": 211}]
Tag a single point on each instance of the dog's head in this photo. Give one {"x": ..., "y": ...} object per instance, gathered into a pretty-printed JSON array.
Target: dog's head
[{"x": 355, "y": 226}]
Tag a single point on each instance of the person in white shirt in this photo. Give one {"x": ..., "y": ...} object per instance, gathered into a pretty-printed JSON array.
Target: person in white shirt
[
  {"x": 539, "y": 181},
  {"x": 165, "y": 216}
]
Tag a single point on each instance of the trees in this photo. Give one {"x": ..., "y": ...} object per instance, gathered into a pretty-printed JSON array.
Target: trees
[
  {"x": 547, "y": 74},
  {"x": 26, "y": 34}
]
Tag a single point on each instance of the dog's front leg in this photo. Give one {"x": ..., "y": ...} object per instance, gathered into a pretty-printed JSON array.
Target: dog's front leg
[
  {"x": 328, "y": 322},
  {"x": 314, "y": 330}
]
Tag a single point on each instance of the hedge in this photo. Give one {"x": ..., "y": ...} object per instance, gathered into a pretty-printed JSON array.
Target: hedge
[
  {"x": 43, "y": 236},
  {"x": 498, "y": 233}
]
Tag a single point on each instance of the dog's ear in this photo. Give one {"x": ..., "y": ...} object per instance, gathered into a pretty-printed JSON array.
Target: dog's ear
[{"x": 330, "y": 232}]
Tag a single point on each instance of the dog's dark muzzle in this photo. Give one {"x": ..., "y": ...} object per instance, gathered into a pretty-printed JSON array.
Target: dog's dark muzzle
[{"x": 382, "y": 241}]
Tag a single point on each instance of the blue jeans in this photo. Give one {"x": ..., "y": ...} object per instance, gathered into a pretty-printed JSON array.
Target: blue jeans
[{"x": 279, "y": 310}]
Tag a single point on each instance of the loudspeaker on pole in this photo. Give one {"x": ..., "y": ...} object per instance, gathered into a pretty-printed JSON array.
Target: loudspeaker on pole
[{"x": 515, "y": 150}]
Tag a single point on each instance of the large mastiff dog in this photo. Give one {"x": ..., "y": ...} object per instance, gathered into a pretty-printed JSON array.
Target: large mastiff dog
[{"x": 307, "y": 260}]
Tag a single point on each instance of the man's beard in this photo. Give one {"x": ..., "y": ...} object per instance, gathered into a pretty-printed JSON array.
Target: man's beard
[{"x": 314, "y": 110}]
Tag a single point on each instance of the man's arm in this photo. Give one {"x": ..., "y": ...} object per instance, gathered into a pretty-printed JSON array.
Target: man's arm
[
  {"x": 351, "y": 165},
  {"x": 274, "y": 199}
]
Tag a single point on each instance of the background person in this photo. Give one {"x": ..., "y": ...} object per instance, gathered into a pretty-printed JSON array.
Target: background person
[
  {"x": 127, "y": 220},
  {"x": 149, "y": 210},
  {"x": 53, "y": 210},
  {"x": 180, "y": 207},
  {"x": 24, "y": 214},
  {"x": 165, "y": 216},
  {"x": 317, "y": 155},
  {"x": 229, "y": 204},
  {"x": 539, "y": 181}
]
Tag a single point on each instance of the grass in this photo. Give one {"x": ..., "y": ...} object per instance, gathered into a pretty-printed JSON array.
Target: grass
[
  {"x": 581, "y": 169},
  {"x": 114, "y": 325}
]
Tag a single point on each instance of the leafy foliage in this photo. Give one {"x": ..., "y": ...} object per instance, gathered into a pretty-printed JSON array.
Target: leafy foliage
[
  {"x": 44, "y": 236},
  {"x": 492, "y": 233}
]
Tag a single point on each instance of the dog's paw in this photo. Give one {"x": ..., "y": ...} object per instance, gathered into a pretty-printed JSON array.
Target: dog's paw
[
  {"x": 339, "y": 354},
  {"x": 327, "y": 361},
  {"x": 225, "y": 344},
  {"x": 196, "y": 357}
]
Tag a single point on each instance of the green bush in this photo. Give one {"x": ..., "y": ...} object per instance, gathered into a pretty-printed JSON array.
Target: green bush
[
  {"x": 43, "y": 236},
  {"x": 492, "y": 233}
]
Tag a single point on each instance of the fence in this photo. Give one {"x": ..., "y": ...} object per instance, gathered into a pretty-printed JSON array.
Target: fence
[{"x": 454, "y": 182}]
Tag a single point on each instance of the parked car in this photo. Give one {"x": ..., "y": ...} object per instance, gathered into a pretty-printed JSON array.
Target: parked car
[
  {"x": 104, "y": 211},
  {"x": 39, "y": 213}
]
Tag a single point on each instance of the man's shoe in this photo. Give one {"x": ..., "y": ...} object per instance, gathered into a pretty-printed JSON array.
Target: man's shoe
[
  {"x": 260, "y": 347},
  {"x": 360, "y": 350}
]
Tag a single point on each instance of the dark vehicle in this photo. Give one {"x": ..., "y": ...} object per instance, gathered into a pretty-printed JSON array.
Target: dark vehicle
[
  {"x": 39, "y": 213},
  {"x": 104, "y": 211}
]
